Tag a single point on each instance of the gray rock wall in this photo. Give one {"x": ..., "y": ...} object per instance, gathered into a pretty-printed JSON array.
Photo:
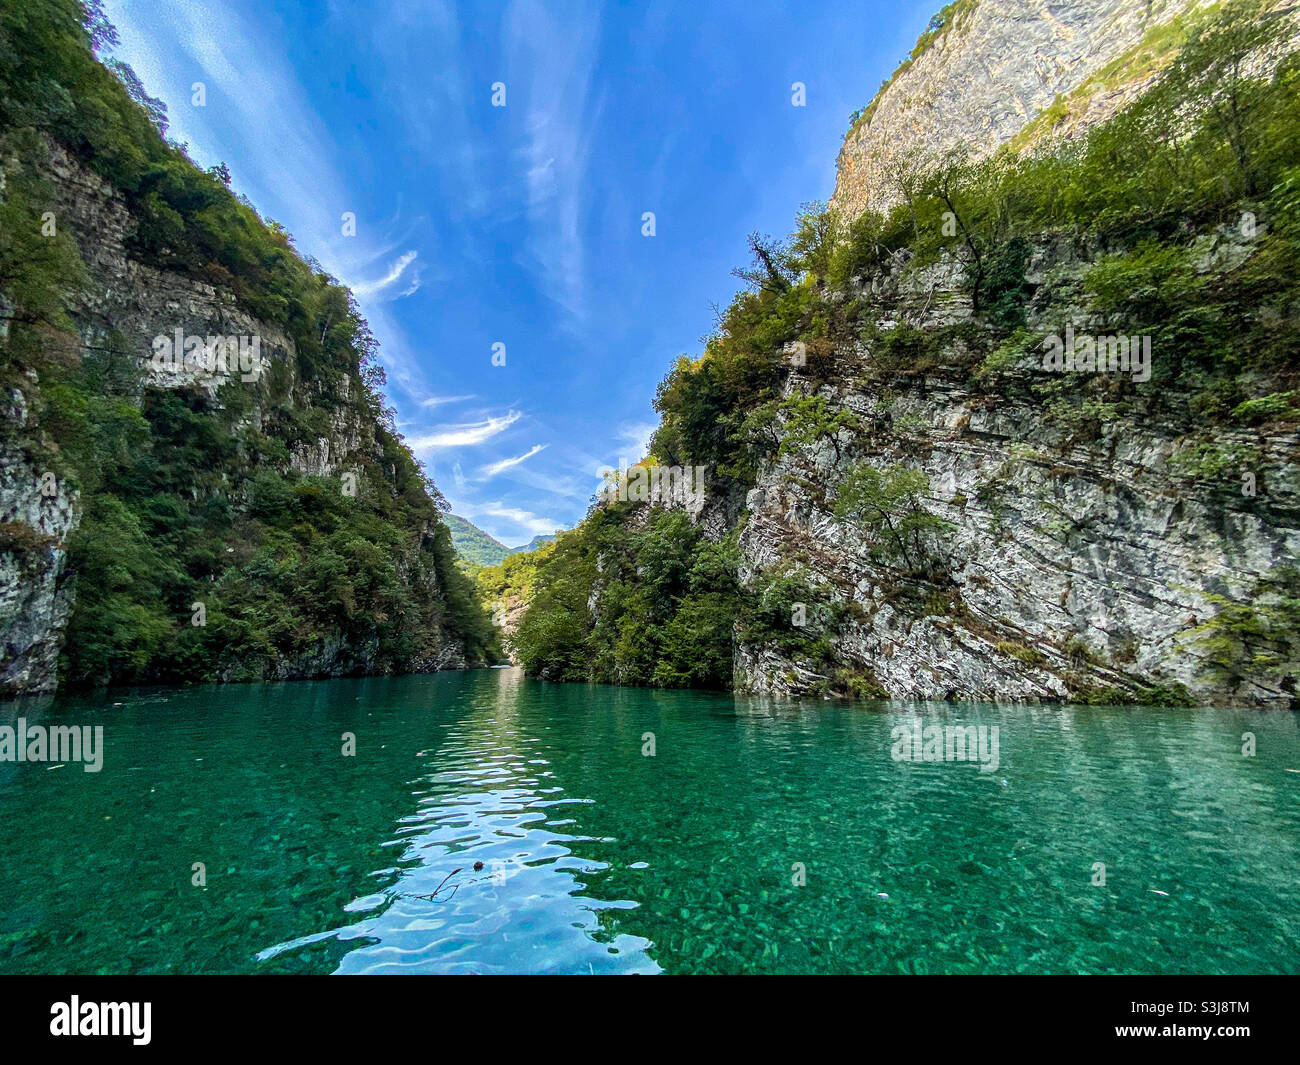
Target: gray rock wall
[
  {"x": 984, "y": 79},
  {"x": 1100, "y": 555}
]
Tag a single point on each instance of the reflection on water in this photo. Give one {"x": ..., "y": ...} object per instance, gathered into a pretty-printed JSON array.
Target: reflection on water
[
  {"x": 484, "y": 800},
  {"x": 760, "y": 837}
]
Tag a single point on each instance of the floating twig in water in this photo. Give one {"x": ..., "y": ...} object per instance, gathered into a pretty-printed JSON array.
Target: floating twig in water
[{"x": 433, "y": 895}]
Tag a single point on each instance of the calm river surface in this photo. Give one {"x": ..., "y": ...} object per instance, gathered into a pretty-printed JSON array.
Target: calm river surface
[{"x": 599, "y": 858}]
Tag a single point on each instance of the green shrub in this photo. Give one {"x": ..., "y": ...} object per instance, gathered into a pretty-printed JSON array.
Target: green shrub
[
  {"x": 1030, "y": 656},
  {"x": 653, "y": 605},
  {"x": 889, "y": 506}
]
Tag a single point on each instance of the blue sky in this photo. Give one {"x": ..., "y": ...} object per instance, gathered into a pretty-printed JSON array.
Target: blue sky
[{"x": 522, "y": 225}]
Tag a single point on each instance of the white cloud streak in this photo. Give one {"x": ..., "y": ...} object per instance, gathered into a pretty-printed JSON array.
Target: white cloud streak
[
  {"x": 505, "y": 464},
  {"x": 438, "y": 401},
  {"x": 551, "y": 69},
  {"x": 394, "y": 275},
  {"x": 524, "y": 519},
  {"x": 464, "y": 435}
]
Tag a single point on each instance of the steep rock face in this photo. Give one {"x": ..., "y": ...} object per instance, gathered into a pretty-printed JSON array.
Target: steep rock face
[
  {"x": 990, "y": 69},
  {"x": 123, "y": 306},
  {"x": 1072, "y": 565},
  {"x": 506, "y": 615},
  {"x": 36, "y": 518}
]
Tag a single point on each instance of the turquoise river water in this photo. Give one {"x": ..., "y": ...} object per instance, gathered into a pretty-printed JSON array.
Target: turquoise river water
[{"x": 757, "y": 837}]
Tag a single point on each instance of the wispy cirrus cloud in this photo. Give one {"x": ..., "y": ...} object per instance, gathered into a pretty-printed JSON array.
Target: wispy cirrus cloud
[
  {"x": 396, "y": 272},
  {"x": 468, "y": 435},
  {"x": 523, "y": 519},
  {"x": 550, "y": 62},
  {"x": 438, "y": 401},
  {"x": 505, "y": 464}
]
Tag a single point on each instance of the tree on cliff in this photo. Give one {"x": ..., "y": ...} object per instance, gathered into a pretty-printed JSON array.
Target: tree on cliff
[{"x": 889, "y": 506}]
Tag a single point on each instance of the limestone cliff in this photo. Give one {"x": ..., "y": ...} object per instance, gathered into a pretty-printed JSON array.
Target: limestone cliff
[
  {"x": 1076, "y": 561},
  {"x": 985, "y": 70}
]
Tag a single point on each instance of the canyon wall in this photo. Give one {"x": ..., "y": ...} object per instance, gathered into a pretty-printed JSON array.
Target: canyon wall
[
  {"x": 119, "y": 308},
  {"x": 1079, "y": 558}
]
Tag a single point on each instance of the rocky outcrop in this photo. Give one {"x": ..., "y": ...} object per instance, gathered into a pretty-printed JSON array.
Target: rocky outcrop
[
  {"x": 987, "y": 71},
  {"x": 38, "y": 512},
  {"x": 507, "y": 615},
  {"x": 1073, "y": 562}
]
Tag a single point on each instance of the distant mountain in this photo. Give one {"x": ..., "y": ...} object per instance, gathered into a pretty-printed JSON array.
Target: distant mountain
[
  {"x": 472, "y": 543},
  {"x": 532, "y": 544}
]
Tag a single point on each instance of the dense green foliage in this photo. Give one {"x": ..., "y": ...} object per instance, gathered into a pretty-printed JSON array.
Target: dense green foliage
[
  {"x": 889, "y": 506},
  {"x": 1187, "y": 204},
  {"x": 203, "y": 552},
  {"x": 666, "y": 594},
  {"x": 512, "y": 577},
  {"x": 657, "y": 603}
]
